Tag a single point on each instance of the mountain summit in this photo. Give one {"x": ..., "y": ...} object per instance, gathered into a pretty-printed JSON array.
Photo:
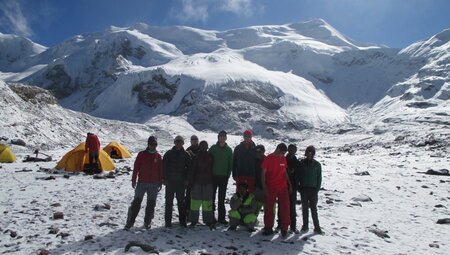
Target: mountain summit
[{"x": 273, "y": 77}]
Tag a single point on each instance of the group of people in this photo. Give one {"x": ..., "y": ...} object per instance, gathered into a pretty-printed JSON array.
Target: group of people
[{"x": 196, "y": 174}]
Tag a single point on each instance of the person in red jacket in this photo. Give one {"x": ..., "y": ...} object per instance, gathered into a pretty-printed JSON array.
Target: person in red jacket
[
  {"x": 276, "y": 185},
  {"x": 92, "y": 147},
  {"x": 148, "y": 169}
]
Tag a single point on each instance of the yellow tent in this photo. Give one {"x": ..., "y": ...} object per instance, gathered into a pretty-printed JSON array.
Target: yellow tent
[
  {"x": 122, "y": 152},
  {"x": 6, "y": 155},
  {"x": 75, "y": 159}
]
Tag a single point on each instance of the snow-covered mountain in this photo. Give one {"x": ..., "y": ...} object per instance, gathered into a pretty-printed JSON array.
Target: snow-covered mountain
[{"x": 270, "y": 78}]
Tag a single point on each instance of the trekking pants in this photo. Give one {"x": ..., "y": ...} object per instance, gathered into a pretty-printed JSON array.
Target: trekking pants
[
  {"x": 175, "y": 189},
  {"x": 283, "y": 201},
  {"x": 236, "y": 218},
  {"x": 201, "y": 196},
  {"x": 152, "y": 191},
  {"x": 220, "y": 183},
  {"x": 309, "y": 198}
]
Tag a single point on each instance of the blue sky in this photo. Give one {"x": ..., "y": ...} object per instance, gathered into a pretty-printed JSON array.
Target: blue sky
[{"x": 395, "y": 23}]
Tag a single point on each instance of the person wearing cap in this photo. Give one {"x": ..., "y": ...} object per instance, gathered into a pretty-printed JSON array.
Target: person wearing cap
[
  {"x": 276, "y": 185},
  {"x": 309, "y": 180},
  {"x": 244, "y": 156},
  {"x": 92, "y": 147},
  {"x": 221, "y": 171},
  {"x": 176, "y": 167},
  {"x": 192, "y": 150},
  {"x": 148, "y": 171},
  {"x": 201, "y": 181},
  {"x": 259, "y": 193},
  {"x": 243, "y": 209}
]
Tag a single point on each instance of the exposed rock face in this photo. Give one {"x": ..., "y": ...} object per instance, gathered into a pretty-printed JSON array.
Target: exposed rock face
[
  {"x": 156, "y": 91},
  {"x": 33, "y": 94}
]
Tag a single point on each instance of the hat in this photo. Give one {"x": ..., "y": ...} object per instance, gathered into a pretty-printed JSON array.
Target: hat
[
  {"x": 179, "y": 138},
  {"x": 152, "y": 139},
  {"x": 194, "y": 137},
  {"x": 223, "y": 133},
  {"x": 248, "y": 132}
]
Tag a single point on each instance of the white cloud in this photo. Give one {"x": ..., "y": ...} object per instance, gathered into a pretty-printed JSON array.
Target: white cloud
[
  {"x": 12, "y": 18},
  {"x": 239, "y": 7},
  {"x": 192, "y": 10},
  {"x": 202, "y": 10}
]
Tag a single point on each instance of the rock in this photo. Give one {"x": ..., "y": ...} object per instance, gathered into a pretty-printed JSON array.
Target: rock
[
  {"x": 51, "y": 177},
  {"x": 362, "y": 198},
  {"x": 434, "y": 245},
  {"x": 103, "y": 207},
  {"x": 145, "y": 247},
  {"x": 18, "y": 142},
  {"x": 55, "y": 205},
  {"x": 443, "y": 221},
  {"x": 53, "y": 230},
  {"x": 109, "y": 224},
  {"x": 425, "y": 187},
  {"x": 329, "y": 201},
  {"x": 379, "y": 233},
  {"x": 364, "y": 173},
  {"x": 13, "y": 234},
  {"x": 66, "y": 176},
  {"x": 440, "y": 206},
  {"x": 43, "y": 251},
  {"x": 399, "y": 138},
  {"x": 99, "y": 177},
  {"x": 58, "y": 215},
  {"x": 438, "y": 172},
  {"x": 88, "y": 237},
  {"x": 63, "y": 234}
]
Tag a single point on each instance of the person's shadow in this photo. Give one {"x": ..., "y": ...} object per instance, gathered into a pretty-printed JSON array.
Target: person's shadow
[{"x": 177, "y": 240}]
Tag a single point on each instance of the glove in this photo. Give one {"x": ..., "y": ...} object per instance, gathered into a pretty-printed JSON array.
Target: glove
[
  {"x": 159, "y": 187},
  {"x": 133, "y": 184}
]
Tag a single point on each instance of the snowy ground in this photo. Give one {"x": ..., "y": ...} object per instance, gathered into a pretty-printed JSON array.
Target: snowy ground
[{"x": 405, "y": 203}]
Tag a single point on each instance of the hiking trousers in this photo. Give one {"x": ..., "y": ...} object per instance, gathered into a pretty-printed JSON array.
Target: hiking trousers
[
  {"x": 201, "y": 196},
  {"x": 175, "y": 189},
  {"x": 220, "y": 184},
  {"x": 152, "y": 192},
  {"x": 310, "y": 197},
  {"x": 282, "y": 194}
]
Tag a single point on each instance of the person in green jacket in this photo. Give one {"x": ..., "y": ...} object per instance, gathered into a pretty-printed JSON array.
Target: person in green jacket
[
  {"x": 221, "y": 170},
  {"x": 309, "y": 180}
]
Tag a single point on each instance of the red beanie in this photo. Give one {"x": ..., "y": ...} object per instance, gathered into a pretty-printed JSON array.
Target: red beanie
[{"x": 248, "y": 132}]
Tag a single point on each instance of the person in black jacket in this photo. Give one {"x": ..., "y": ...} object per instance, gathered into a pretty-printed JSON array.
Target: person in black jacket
[
  {"x": 244, "y": 159},
  {"x": 176, "y": 167},
  {"x": 192, "y": 151},
  {"x": 201, "y": 181}
]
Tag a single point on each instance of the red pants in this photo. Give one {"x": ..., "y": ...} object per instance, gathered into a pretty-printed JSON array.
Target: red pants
[
  {"x": 283, "y": 206},
  {"x": 247, "y": 179}
]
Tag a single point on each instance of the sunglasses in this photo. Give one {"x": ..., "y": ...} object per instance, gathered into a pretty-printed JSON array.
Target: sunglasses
[{"x": 153, "y": 144}]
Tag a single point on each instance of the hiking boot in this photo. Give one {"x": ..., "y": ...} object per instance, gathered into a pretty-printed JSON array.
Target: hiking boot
[
  {"x": 212, "y": 226},
  {"x": 193, "y": 224},
  {"x": 147, "y": 225},
  {"x": 127, "y": 227},
  {"x": 304, "y": 230},
  {"x": 284, "y": 233},
  {"x": 224, "y": 222},
  {"x": 267, "y": 231},
  {"x": 318, "y": 231},
  {"x": 231, "y": 228},
  {"x": 251, "y": 230},
  {"x": 277, "y": 228},
  {"x": 168, "y": 225},
  {"x": 294, "y": 230},
  {"x": 183, "y": 224}
]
